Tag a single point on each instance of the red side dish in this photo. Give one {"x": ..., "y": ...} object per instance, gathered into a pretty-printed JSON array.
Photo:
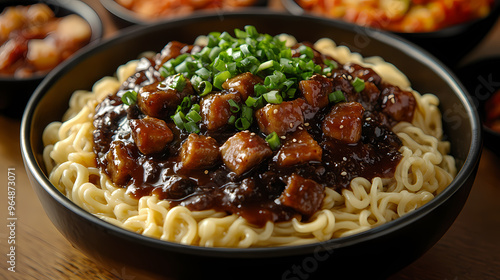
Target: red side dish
[
  {"x": 154, "y": 9},
  {"x": 34, "y": 41},
  {"x": 401, "y": 15}
]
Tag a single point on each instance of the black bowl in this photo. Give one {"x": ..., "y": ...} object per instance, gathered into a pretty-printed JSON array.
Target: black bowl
[
  {"x": 449, "y": 44},
  {"x": 372, "y": 254},
  {"x": 482, "y": 79},
  {"x": 15, "y": 92},
  {"x": 124, "y": 17}
]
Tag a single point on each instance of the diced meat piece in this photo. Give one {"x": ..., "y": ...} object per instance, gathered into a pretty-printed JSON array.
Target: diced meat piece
[
  {"x": 316, "y": 90},
  {"x": 243, "y": 83},
  {"x": 243, "y": 151},
  {"x": 171, "y": 50},
  {"x": 303, "y": 195},
  {"x": 199, "y": 152},
  {"x": 367, "y": 74},
  {"x": 151, "y": 135},
  {"x": 370, "y": 96},
  {"x": 280, "y": 118},
  {"x": 299, "y": 148},
  {"x": 176, "y": 187},
  {"x": 344, "y": 122},
  {"x": 215, "y": 109},
  {"x": 120, "y": 163},
  {"x": 398, "y": 104},
  {"x": 159, "y": 100}
]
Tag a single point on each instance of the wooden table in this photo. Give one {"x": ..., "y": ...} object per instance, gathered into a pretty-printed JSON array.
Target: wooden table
[{"x": 469, "y": 250}]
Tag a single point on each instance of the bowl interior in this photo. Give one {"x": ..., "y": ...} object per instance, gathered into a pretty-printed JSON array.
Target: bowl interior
[{"x": 428, "y": 76}]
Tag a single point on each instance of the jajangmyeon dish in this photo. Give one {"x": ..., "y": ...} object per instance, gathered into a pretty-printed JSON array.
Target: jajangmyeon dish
[{"x": 250, "y": 140}]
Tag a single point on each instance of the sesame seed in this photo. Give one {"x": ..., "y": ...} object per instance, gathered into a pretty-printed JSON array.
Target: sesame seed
[
  {"x": 294, "y": 140},
  {"x": 300, "y": 128},
  {"x": 368, "y": 119},
  {"x": 306, "y": 124},
  {"x": 343, "y": 173},
  {"x": 344, "y": 158},
  {"x": 206, "y": 172},
  {"x": 341, "y": 126},
  {"x": 275, "y": 111},
  {"x": 283, "y": 137},
  {"x": 291, "y": 125}
]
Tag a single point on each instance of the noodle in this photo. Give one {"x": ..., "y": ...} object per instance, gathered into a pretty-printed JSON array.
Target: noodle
[{"x": 424, "y": 171}]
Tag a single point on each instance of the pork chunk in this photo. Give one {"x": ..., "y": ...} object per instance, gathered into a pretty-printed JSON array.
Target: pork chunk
[
  {"x": 398, "y": 104},
  {"x": 344, "y": 122},
  {"x": 303, "y": 195},
  {"x": 243, "y": 151},
  {"x": 243, "y": 83},
  {"x": 316, "y": 90},
  {"x": 120, "y": 163},
  {"x": 299, "y": 148},
  {"x": 151, "y": 135},
  {"x": 280, "y": 118},
  {"x": 159, "y": 100},
  {"x": 215, "y": 109},
  {"x": 199, "y": 152}
]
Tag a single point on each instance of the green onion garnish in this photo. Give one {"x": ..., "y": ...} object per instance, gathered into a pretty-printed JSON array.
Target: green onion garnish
[
  {"x": 358, "y": 84},
  {"x": 273, "y": 97},
  {"x": 129, "y": 97},
  {"x": 336, "y": 96},
  {"x": 234, "y": 107},
  {"x": 273, "y": 140}
]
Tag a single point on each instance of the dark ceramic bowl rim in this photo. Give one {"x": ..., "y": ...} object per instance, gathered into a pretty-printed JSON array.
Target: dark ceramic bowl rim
[
  {"x": 408, "y": 48},
  {"x": 131, "y": 17},
  {"x": 296, "y": 9},
  {"x": 77, "y": 7}
]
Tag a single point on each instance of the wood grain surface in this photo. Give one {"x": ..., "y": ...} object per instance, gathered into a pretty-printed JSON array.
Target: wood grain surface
[{"x": 469, "y": 250}]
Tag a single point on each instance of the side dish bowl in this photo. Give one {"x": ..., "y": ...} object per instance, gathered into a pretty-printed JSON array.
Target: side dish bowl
[
  {"x": 15, "y": 92},
  {"x": 373, "y": 254},
  {"x": 124, "y": 17},
  {"x": 449, "y": 44},
  {"x": 481, "y": 78}
]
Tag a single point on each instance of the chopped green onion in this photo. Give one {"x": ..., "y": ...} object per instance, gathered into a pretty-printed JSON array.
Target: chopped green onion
[
  {"x": 336, "y": 96},
  {"x": 204, "y": 88},
  {"x": 191, "y": 127},
  {"x": 234, "y": 107},
  {"x": 220, "y": 78},
  {"x": 193, "y": 116},
  {"x": 179, "y": 82},
  {"x": 242, "y": 124},
  {"x": 129, "y": 97},
  {"x": 273, "y": 140},
  {"x": 178, "y": 119},
  {"x": 273, "y": 97},
  {"x": 231, "y": 120},
  {"x": 358, "y": 84}
]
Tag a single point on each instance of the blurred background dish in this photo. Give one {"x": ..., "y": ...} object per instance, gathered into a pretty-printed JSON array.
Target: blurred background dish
[
  {"x": 448, "y": 30},
  {"x": 482, "y": 80},
  {"x": 128, "y": 12},
  {"x": 36, "y": 37},
  {"x": 388, "y": 247}
]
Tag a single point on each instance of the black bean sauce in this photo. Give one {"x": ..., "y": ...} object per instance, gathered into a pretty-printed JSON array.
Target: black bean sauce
[{"x": 253, "y": 194}]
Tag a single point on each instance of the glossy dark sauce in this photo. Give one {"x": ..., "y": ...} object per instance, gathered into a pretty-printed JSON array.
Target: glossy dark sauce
[{"x": 252, "y": 195}]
